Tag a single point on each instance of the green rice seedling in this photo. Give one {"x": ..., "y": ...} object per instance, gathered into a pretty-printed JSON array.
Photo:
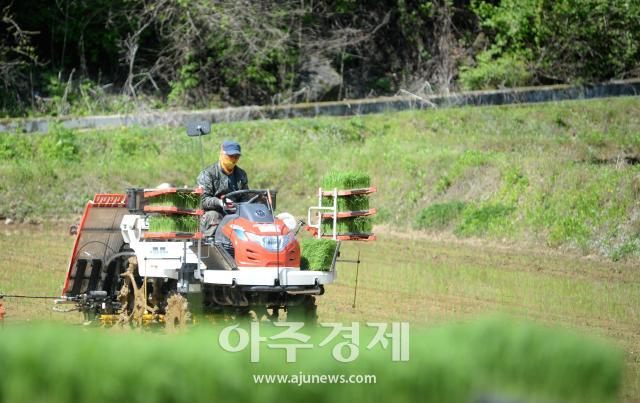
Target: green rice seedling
[
  {"x": 190, "y": 201},
  {"x": 356, "y": 225},
  {"x": 181, "y": 200},
  {"x": 317, "y": 254},
  {"x": 173, "y": 223},
  {"x": 163, "y": 200},
  {"x": 345, "y": 180},
  {"x": 161, "y": 223},
  {"x": 348, "y": 203},
  {"x": 187, "y": 223}
]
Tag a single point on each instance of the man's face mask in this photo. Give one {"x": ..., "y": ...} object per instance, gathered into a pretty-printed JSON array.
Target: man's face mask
[{"x": 228, "y": 162}]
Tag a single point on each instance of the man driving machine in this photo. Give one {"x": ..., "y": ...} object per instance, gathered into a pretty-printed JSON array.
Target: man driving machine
[{"x": 217, "y": 180}]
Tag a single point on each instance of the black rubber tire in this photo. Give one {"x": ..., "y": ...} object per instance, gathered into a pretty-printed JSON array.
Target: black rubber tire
[{"x": 306, "y": 311}]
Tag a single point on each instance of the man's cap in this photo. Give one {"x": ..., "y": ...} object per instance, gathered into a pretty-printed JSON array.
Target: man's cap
[{"x": 231, "y": 148}]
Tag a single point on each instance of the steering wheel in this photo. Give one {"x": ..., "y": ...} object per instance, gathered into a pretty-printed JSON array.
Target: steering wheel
[
  {"x": 251, "y": 200},
  {"x": 235, "y": 196}
]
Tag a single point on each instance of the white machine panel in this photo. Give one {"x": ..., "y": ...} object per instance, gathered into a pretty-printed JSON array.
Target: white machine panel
[
  {"x": 163, "y": 259},
  {"x": 268, "y": 275},
  {"x": 156, "y": 258}
]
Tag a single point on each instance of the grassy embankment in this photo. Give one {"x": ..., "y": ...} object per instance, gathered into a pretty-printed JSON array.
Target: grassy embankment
[
  {"x": 552, "y": 174},
  {"x": 562, "y": 175}
]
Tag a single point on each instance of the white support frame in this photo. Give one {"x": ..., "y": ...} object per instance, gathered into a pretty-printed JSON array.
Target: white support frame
[{"x": 319, "y": 209}]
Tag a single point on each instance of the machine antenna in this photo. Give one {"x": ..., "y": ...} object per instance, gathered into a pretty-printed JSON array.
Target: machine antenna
[
  {"x": 201, "y": 146},
  {"x": 355, "y": 289},
  {"x": 199, "y": 129}
]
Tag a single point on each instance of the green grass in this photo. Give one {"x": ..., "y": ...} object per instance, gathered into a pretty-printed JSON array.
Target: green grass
[
  {"x": 490, "y": 357},
  {"x": 316, "y": 254},
  {"x": 422, "y": 281},
  {"x": 559, "y": 169},
  {"x": 477, "y": 221},
  {"x": 459, "y": 165},
  {"x": 34, "y": 262},
  {"x": 627, "y": 249},
  {"x": 439, "y": 215}
]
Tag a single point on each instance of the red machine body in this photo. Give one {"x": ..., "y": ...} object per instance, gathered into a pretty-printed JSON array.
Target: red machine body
[{"x": 262, "y": 244}]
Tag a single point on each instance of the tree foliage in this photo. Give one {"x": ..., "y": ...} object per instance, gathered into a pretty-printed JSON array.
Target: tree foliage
[
  {"x": 16, "y": 56},
  {"x": 556, "y": 41},
  {"x": 70, "y": 56}
]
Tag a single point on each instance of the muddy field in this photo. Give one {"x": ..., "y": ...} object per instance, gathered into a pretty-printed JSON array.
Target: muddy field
[{"x": 403, "y": 277}]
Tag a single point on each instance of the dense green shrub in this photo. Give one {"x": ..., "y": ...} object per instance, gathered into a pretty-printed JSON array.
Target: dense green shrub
[
  {"x": 506, "y": 70},
  {"x": 15, "y": 146},
  {"x": 60, "y": 144},
  {"x": 555, "y": 41}
]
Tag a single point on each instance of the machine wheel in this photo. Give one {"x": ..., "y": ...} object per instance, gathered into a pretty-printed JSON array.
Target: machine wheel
[
  {"x": 176, "y": 313},
  {"x": 306, "y": 311},
  {"x": 260, "y": 313},
  {"x": 131, "y": 297}
]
